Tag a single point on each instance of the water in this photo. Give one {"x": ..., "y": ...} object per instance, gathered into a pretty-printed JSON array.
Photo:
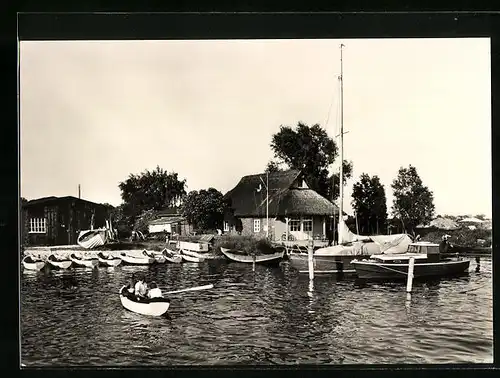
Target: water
[{"x": 269, "y": 317}]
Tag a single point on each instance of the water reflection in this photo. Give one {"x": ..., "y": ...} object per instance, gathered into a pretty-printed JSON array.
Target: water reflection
[{"x": 270, "y": 316}]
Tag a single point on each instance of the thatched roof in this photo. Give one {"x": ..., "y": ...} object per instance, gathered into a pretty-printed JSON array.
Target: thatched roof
[
  {"x": 442, "y": 224},
  {"x": 53, "y": 200},
  {"x": 285, "y": 197}
]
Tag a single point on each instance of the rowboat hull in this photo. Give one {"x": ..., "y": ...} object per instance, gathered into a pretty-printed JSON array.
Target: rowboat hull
[
  {"x": 323, "y": 264},
  {"x": 90, "y": 263},
  {"x": 273, "y": 258},
  {"x": 137, "y": 260},
  {"x": 106, "y": 261},
  {"x": 395, "y": 271},
  {"x": 59, "y": 264},
  {"x": 190, "y": 258},
  {"x": 172, "y": 256},
  {"x": 92, "y": 238},
  {"x": 30, "y": 264},
  {"x": 158, "y": 257},
  {"x": 155, "y": 307}
]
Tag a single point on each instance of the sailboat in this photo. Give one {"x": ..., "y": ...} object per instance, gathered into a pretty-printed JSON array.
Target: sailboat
[{"x": 337, "y": 259}]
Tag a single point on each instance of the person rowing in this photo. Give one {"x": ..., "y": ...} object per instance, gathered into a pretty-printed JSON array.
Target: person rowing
[
  {"x": 140, "y": 288},
  {"x": 154, "y": 291}
]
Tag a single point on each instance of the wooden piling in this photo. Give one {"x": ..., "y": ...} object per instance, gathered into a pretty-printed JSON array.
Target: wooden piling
[
  {"x": 253, "y": 263},
  {"x": 409, "y": 282},
  {"x": 310, "y": 261}
]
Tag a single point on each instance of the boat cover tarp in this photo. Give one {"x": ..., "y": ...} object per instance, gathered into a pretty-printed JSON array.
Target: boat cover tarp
[{"x": 356, "y": 245}]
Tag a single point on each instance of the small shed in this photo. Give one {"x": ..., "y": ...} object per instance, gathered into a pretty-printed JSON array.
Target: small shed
[{"x": 53, "y": 220}]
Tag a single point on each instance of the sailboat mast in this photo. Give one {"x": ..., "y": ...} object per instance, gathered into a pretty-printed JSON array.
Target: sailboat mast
[{"x": 341, "y": 144}]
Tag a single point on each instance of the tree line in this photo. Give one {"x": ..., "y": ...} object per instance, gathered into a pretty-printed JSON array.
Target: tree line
[{"x": 306, "y": 148}]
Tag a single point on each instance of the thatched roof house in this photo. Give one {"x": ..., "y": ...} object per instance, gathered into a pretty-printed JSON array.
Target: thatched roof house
[
  {"x": 441, "y": 223},
  {"x": 290, "y": 200}
]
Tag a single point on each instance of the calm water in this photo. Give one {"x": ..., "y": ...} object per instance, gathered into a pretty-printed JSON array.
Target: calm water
[{"x": 267, "y": 317}]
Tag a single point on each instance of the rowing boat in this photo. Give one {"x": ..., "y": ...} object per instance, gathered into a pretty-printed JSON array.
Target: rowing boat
[
  {"x": 92, "y": 238},
  {"x": 271, "y": 258},
  {"x": 147, "y": 306},
  {"x": 159, "y": 258},
  {"x": 190, "y": 258},
  {"x": 108, "y": 260},
  {"x": 172, "y": 256},
  {"x": 59, "y": 263},
  {"x": 32, "y": 264},
  {"x": 133, "y": 260},
  {"x": 89, "y": 263}
]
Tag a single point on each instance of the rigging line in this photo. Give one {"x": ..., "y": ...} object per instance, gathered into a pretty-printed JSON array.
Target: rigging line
[{"x": 329, "y": 110}]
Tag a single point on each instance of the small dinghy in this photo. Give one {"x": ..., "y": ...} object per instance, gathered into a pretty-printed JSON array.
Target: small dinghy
[
  {"x": 32, "y": 264},
  {"x": 172, "y": 256},
  {"x": 159, "y": 258},
  {"x": 132, "y": 260},
  {"x": 58, "y": 263},
  {"x": 108, "y": 260},
  {"x": 238, "y": 256},
  {"x": 89, "y": 263},
  {"x": 151, "y": 307},
  {"x": 190, "y": 258},
  {"x": 92, "y": 238}
]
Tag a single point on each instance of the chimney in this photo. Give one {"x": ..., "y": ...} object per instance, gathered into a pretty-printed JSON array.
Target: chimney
[{"x": 79, "y": 192}]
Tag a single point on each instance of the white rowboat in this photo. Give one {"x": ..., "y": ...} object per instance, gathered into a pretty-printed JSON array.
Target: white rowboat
[
  {"x": 172, "y": 256},
  {"x": 31, "y": 264},
  {"x": 189, "y": 258},
  {"x": 108, "y": 260},
  {"x": 89, "y": 263},
  {"x": 136, "y": 260},
  {"x": 151, "y": 307},
  {"x": 59, "y": 263},
  {"x": 92, "y": 238},
  {"x": 159, "y": 258}
]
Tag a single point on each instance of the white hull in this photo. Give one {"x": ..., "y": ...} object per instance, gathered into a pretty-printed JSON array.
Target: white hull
[
  {"x": 91, "y": 263},
  {"x": 151, "y": 309},
  {"x": 61, "y": 264},
  {"x": 159, "y": 258},
  {"x": 38, "y": 265},
  {"x": 115, "y": 261},
  {"x": 137, "y": 260},
  {"x": 275, "y": 257},
  {"x": 92, "y": 238},
  {"x": 172, "y": 256},
  {"x": 203, "y": 256},
  {"x": 189, "y": 258}
]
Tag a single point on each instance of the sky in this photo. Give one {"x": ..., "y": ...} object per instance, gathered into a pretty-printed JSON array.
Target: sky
[{"x": 92, "y": 112}]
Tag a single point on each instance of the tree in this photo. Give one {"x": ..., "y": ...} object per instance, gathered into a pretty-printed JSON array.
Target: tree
[
  {"x": 413, "y": 202},
  {"x": 204, "y": 209},
  {"x": 153, "y": 190},
  {"x": 311, "y": 150},
  {"x": 369, "y": 203}
]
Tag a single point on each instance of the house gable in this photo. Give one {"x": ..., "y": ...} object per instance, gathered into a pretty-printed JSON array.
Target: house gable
[{"x": 288, "y": 194}]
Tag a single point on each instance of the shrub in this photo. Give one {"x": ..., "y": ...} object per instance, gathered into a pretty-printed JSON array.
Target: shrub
[{"x": 247, "y": 244}]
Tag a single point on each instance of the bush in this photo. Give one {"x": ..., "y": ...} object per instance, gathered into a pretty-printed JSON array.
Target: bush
[
  {"x": 246, "y": 244},
  {"x": 462, "y": 237}
]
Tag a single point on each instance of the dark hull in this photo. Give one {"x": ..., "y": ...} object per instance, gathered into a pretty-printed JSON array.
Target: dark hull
[
  {"x": 323, "y": 264},
  {"x": 375, "y": 270}
]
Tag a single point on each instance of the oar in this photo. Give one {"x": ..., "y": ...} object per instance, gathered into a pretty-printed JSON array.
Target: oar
[{"x": 196, "y": 288}]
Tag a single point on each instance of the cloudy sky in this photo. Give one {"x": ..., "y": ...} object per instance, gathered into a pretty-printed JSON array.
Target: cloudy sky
[{"x": 92, "y": 112}]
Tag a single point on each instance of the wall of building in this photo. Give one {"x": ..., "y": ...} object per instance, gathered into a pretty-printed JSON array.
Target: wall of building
[
  {"x": 277, "y": 228},
  {"x": 64, "y": 220}
]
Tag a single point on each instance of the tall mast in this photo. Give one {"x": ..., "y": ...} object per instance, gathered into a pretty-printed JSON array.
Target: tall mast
[{"x": 341, "y": 176}]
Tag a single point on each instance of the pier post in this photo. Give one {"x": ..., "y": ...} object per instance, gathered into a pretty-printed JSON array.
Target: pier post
[
  {"x": 253, "y": 262},
  {"x": 409, "y": 282},
  {"x": 310, "y": 262}
]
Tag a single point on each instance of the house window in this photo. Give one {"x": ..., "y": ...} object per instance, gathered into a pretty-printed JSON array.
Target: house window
[
  {"x": 294, "y": 225},
  {"x": 256, "y": 225},
  {"x": 307, "y": 225},
  {"x": 226, "y": 226},
  {"x": 38, "y": 226}
]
